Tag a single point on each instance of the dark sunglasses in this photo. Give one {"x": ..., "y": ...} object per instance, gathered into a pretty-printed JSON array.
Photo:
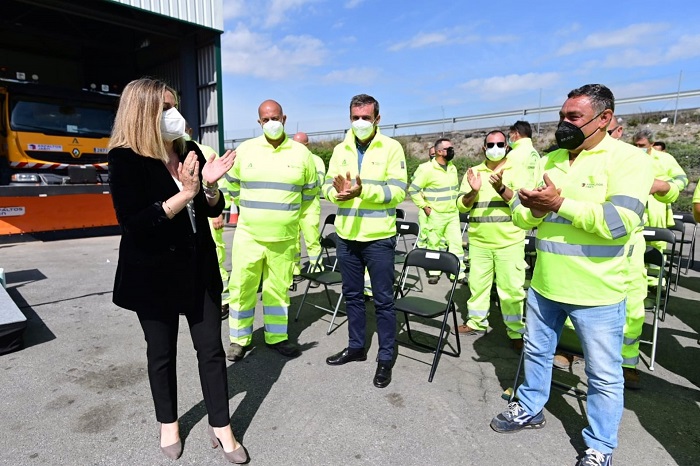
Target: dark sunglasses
[
  {"x": 489, "y": 145},
  {"x": 641, "y": 146}
]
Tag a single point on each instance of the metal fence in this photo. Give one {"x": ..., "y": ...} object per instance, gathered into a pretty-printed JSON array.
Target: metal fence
[{"x": 489, "y": 120}]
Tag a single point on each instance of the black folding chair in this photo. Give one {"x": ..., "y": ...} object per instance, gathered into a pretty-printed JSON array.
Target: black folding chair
[
  {"x": 690, "y": 229},
  {"x": 324, "y": 272},
  {"x": 678, "y": 230},
  {"x": 464, "y": 220},
  {"x": 404, "y": 230},
  {"x": 663, "y": 234},
  {"x": 424, "y": 308},
  {"x": 655, "y": 257}
]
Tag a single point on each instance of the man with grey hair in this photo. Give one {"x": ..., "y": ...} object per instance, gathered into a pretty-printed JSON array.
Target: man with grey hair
[{"x": 670, "y": 180}]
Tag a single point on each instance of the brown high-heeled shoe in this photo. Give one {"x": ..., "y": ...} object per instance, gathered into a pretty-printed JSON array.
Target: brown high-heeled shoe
[
  {"x": 173, "y": 451},
  {"x": 237, "y": 456}
]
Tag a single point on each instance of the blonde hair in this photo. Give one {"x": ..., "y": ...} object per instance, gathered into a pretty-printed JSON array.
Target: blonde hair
[{"x": 137, "y": 124}]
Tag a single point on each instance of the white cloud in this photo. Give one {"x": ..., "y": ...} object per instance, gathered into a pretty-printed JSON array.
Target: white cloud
[
  {"x": 350, "y": 4},
  {"x": 636, "y": 89},
  {"x": 253, "y": 54},
  {"x": 278, "y": 10},
  {"x": 234, "y": 9},
  {"x": 361, "y": 76},
  {"x": 420, "y": 40},
  {"x": 632, "y": 35},
  {"x": 496, "y": 86},
  {"x": 423, "y": 39},
  {"x": 686, "y": 47}
]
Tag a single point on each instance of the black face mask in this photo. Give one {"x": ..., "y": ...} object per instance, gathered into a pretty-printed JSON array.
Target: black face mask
[
  {"x": 450, "y": 153},
  {"x": 569, "y": 136}
]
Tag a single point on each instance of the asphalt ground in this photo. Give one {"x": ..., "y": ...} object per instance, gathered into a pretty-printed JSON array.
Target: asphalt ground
[{"x": 78, "y": 394}]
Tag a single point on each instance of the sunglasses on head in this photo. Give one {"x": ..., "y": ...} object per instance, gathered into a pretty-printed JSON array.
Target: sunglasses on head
[{"x": 489, "y": 145}]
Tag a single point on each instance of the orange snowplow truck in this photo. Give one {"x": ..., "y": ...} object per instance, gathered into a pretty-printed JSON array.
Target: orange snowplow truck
[
  {"x": 46, "y": 134},
  {"x": 53, "y": 159}
]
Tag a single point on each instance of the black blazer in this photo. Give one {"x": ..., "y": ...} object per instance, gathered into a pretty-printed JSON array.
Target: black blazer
[{"x": 163, "y": 265}]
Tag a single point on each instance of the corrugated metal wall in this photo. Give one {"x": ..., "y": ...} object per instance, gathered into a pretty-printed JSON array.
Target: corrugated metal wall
[
  {"x": 203, "y": 89},
  {"x": 208, "y": 97},
  {"x": 208, "y": 13}
]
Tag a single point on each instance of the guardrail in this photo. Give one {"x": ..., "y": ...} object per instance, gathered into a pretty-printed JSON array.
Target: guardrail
[{"x": 230, "y": 143}]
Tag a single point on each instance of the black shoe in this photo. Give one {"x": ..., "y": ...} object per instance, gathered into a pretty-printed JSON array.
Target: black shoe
[
  {"x": 224, "y": 311},
  {"x": 286, "y": 348},
  {"x": 433, "y": 279},
  {"x": 346, "y": 356},
  {"x": 382, "y": 377}
]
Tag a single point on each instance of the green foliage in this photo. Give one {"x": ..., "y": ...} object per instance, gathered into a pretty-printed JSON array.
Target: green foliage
[
  {"x": 687, "y": 156},
  {"x": 684, "y": 204}
]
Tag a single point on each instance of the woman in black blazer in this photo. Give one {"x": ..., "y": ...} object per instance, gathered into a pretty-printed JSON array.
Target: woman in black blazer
[{"x": 167, "y": 260}]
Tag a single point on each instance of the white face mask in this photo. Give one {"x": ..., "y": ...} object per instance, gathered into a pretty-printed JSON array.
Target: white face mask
[
  {"x": 273, "y": 129},
  {"x": 495, "y": 153},
  {"x": 172, "y": 125},
  {"x": 363, "y": 129}
]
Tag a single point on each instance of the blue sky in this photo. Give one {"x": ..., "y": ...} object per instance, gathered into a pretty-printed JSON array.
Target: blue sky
[{"x": 428, "y": 59}]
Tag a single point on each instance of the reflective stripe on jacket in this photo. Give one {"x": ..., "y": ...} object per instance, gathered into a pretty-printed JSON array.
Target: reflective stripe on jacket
[
  {"x": 490, "y": 222},
  {"x": 435, "y": 187},
  {"x": 270, "y": 185},
  {"x": 371, "y": 215},
  {"x": 582, "y": 249}
]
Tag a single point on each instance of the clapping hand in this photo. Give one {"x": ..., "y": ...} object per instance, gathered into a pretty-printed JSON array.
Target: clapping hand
[
  {"x": 215, "y": 168},
  {"x": 496, "y": 180},
  {"x": 344, "y": 187},
  {"x": 474, "y": 179},
  {"x": 543, "y": 199}
]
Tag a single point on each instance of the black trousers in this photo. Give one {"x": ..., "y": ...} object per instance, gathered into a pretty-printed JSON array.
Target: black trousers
[{"x": 160, "y": 331}]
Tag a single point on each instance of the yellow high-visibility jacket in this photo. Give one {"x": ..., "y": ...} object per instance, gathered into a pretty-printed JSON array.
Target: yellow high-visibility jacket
[
  {"x": 490, "y": 222},
  {"x": 523, "y": 153},
  {"x": 582, "y": 250},
  {"x": 435, "y": 187},
  {"x": 666, "y": 168},
  {"x": 269, "y": 185},
  {"x": 371, "y": 215}
]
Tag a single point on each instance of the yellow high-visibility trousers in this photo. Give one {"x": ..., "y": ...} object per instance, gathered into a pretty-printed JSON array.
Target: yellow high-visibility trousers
[
  {"x": 218, "y": 237},
  {"x": 508, "y": 264},
  {"x": 444, "y": 228},
  {"x": 309, "y": 225},
  {"x": 636, "y": 293},
  {"x": 273, "y": 261}
]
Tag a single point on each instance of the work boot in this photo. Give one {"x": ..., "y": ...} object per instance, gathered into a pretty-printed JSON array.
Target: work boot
[
  {"x": 467, "y": 330},
  {"x": 564, "y": 361},
  {"x": 224, "y": 311},
  {"x": 433, "y": 279},
  {"x": 286, "y": 348},
  {"x": 517, "y": 345},
  {"x": 236, "y": 352},
  {"x": 631, "y": 375}
]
